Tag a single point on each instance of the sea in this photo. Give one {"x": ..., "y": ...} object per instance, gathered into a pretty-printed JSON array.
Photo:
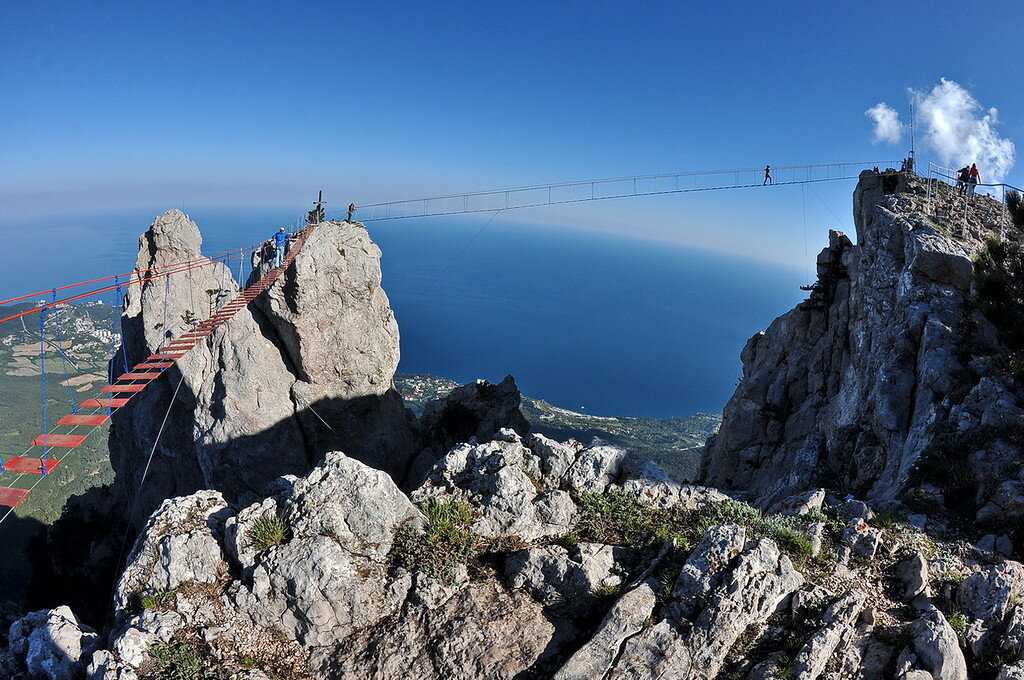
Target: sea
[{"x": 594, "y": 322}]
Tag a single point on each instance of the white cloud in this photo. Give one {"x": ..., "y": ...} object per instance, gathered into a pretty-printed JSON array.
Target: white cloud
[
  {"x": 887, "y": 123},
  {"x": 956, "y": 127}
]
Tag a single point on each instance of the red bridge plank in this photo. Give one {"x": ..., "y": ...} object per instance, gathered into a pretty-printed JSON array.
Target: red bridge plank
[
  {"x": 90, "y": 420},
  {"x": 103, "y": 403},
  {"x": 30, "y": 466},
  {"x": 66, "y": 441},
  {"x": 140, "y": 375},
  {"x": 123, "y": 389},
  {"x": 12, "y": 498},
  {"x": 147, "y": 365}
]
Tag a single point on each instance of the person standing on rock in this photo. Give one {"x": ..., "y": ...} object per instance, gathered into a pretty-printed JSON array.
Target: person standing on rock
[
  {"x": 768, "y": 175},
  {"x": 973, "y": 178},
  {"x": 962, "y": 175},
  {"x": 280, "y": 239},
  {"x": 351, "y": 211}
]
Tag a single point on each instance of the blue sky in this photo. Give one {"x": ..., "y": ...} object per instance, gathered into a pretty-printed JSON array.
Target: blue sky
[{"x": 112, "y": 106}]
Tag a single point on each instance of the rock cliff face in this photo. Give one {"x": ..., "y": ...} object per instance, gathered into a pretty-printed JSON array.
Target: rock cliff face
[
  {"x": 304, "y": 370},
  {"x": 860, "y": 387}
]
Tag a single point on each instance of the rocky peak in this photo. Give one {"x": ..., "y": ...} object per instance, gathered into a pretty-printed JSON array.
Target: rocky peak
[
  {"x": 856, "y": 388},
  {"x": 306, "y": 369}
]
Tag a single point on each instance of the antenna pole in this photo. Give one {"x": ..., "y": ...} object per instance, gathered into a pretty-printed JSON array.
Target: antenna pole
[{"x": 913, "y": 118}]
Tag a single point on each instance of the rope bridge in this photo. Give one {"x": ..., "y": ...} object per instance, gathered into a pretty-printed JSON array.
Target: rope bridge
[{"x": 72, "y": 430}]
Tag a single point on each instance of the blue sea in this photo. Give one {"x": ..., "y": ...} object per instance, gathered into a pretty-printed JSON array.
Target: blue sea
[{"x": 604, "y": 324}]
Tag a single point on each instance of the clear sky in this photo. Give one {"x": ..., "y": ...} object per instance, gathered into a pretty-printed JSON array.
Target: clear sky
[{"x": 111, "y": 106}]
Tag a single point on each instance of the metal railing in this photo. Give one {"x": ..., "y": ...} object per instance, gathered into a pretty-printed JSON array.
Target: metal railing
[{"x": 994, "y": 190}]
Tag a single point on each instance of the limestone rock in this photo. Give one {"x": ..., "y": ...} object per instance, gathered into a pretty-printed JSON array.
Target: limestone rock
[
  {"x": 180, "y": 544},
  {"x": 595, "y": 468},
  {"x": 482, "y": 631},
  {"x": 657, "y": 653},
  {"x": 913, "y": 574},
  {"x": 557, "y": 575},
  {"x": 700, "y": 573},
  {"x": 473, "y": 412},
  {"x": 52, "y": 644},
  {"x": 839, "y": 620},
  {"x": 304, "y": 370},
  {"x": 855, "y": 384},
  {"x": 986, "y": 598},
  {"x": 626, "y": 618},
  {"x": 937, "y": 647},
  {"x": 493, "y": 477},
  {"x": 758, "y": 582}
]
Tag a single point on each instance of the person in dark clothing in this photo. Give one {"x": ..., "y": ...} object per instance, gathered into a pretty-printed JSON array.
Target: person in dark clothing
[
  {"x": 768, "y": 175},
  {"x": 962, "y": 175},
  {"x": 351, "y": 211}
]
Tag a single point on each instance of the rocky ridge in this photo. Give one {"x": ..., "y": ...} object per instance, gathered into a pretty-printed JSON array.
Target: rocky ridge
[{"x": 886, "y": 383}]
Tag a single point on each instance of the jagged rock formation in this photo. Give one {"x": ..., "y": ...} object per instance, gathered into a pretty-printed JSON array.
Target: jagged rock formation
[
  {"x": 306, "y": 369},
  {"x": 860, "y": 387}
]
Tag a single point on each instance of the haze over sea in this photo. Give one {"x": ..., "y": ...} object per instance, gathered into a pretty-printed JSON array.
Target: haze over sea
[{"x": 605, "y": 324}]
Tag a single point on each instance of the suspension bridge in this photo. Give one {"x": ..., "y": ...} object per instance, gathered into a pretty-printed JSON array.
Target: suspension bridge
[{"x": 22, "y": 473}]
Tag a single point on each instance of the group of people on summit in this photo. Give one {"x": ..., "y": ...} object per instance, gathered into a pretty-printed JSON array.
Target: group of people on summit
[
  {"x": 277, "y": 245},
  {"x": 967, "y": 178}
]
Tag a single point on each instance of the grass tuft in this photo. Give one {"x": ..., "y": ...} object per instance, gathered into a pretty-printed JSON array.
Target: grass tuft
[
  {"x": 162, "y": 600},
  {"x": 447, "y": 542},
  {"x": 180, "y": 661},
  {"x": 267, "y": 531}
]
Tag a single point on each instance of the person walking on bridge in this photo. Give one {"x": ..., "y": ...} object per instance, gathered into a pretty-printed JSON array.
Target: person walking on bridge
[
  {"x": 351, "y": 211},
  {"x": 768, "y": 175},
  {"x": 973, "y": 178},
  {"x": 280, "y": 239}
]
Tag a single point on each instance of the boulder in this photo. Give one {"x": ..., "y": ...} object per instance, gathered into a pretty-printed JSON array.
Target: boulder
[
  {"x": 595, "y": 468},
  {"x": 703, "y": 567},
  {"x": 180, "y": 544},
  {"x": 657, "y": 652},
  {"x": 986, "y": 598},
  {"x": 493, "y": 477},
  {"x": 557, "y": 575},
  {"x": 937, "y": 647},
  {"x": 481, "y": 631},
  {"x": 839, "y": 621},
  {"x": 759, "y": 580},
  {"x": 913, "y": 575},
  {"x": 52, "y": 644},
  {"x": 626, "y": 618}
]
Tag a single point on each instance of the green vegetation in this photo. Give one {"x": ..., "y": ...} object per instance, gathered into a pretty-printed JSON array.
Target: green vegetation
[
  {"x": 162, "y": 600},
  {"x": 958, "y": 622},
  {"x": 619, "y": 518},
  {"x": 999, "y": 269},
  {"x": 181, "y": 660},
  {"x": 267, "y": 531},
  {"x": 446, "y": 543}
]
